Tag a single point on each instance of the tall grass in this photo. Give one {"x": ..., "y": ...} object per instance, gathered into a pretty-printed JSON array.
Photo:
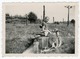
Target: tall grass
[{"x": 19, "y": 37}]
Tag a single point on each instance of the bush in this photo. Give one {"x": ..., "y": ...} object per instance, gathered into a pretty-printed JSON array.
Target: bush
[{"x": 73, "y": 22}]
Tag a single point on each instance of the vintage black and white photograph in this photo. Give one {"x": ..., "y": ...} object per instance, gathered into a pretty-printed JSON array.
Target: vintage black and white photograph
[{"x": 40, "y": 28}]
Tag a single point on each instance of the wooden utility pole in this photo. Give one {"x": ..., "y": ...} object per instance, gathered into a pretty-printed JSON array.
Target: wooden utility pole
[
  {"x": 68, "y": 13},
  {"x": 43, "y": 12},
  {"x": 63, "y": 20},
  {"x": 53, "y": 19}
]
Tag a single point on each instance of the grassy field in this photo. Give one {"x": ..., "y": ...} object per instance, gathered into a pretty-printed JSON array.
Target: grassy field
[{"x": 19, "y": 37}]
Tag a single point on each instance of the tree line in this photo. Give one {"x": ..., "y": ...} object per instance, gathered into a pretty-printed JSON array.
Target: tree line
[{"x": 27, "y": 18}]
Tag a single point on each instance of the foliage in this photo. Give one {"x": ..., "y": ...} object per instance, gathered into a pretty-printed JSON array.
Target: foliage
[
  {"x": 38, "y": 21},
  {"x": 7, "y": 15},
  {"x": 73, "y": 22},
  {"x": 56, "y": 22},
  {"x": 32, "y": 17}
]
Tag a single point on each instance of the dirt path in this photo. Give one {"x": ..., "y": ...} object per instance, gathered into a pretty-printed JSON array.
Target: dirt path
[{"x": 29, "y": 50}]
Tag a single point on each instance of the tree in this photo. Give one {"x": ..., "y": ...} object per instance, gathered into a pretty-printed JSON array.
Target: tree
[
  {"x": 7, "y": 16},
  {"x": 73, "y": 22},
  {"x": 56, "y": 23},
  {"x": 32, "y": 17},
  {"x": 38, "y": 21}
]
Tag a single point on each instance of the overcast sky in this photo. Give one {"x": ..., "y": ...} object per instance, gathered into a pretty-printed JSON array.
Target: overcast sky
[{"x": 56, "y": 10}]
